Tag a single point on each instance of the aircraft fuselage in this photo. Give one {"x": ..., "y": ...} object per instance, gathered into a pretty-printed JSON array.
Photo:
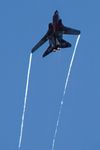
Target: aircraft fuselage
[{"x": 54, "y": 35}]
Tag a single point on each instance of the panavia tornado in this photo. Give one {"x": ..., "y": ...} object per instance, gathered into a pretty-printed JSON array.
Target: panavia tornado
[{"x": 55, "y": 33}]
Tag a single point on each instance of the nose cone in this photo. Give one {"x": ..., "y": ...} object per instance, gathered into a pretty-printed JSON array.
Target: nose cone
[
  {"x": 56, "y": 16},
  {"x": 56, "y": 12}
]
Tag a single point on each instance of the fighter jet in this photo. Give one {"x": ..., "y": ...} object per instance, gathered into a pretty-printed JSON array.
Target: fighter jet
[{"x": 55, "y": 33}]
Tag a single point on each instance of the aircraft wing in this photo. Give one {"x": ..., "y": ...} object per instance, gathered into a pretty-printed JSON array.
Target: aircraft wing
[
  {"x": 41, "y": 42},
  {"x": 67, "y": 30}
]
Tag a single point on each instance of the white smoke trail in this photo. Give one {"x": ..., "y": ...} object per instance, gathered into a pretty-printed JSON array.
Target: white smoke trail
[
  {"x": 66, "y": 84},
  {"x": 25, "y": 100}
]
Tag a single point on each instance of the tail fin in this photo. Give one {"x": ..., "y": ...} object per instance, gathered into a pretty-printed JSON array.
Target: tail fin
[{"x": 48, "y": 51}]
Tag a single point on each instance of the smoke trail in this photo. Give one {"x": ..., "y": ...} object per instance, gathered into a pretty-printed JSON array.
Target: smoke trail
[
  {"x": 25, "y": 100},
  {"x": 66, "y": 84}
]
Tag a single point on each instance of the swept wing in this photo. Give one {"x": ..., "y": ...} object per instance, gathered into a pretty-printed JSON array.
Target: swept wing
[
  {"x": 41, "y": 42},
  {"x": 67, "y": 30}
]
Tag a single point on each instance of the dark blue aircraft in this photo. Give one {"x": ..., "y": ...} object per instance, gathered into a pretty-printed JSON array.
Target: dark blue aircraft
[{"x": 55, "y": 33}]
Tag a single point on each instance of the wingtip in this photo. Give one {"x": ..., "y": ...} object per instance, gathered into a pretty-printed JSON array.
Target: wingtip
[
  {"x": 32, "y": 51},
  {"x": 79, "y": 32}
]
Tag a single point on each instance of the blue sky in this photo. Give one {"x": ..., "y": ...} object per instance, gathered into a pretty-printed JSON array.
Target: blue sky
[{"x": 22, "y": 24}]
